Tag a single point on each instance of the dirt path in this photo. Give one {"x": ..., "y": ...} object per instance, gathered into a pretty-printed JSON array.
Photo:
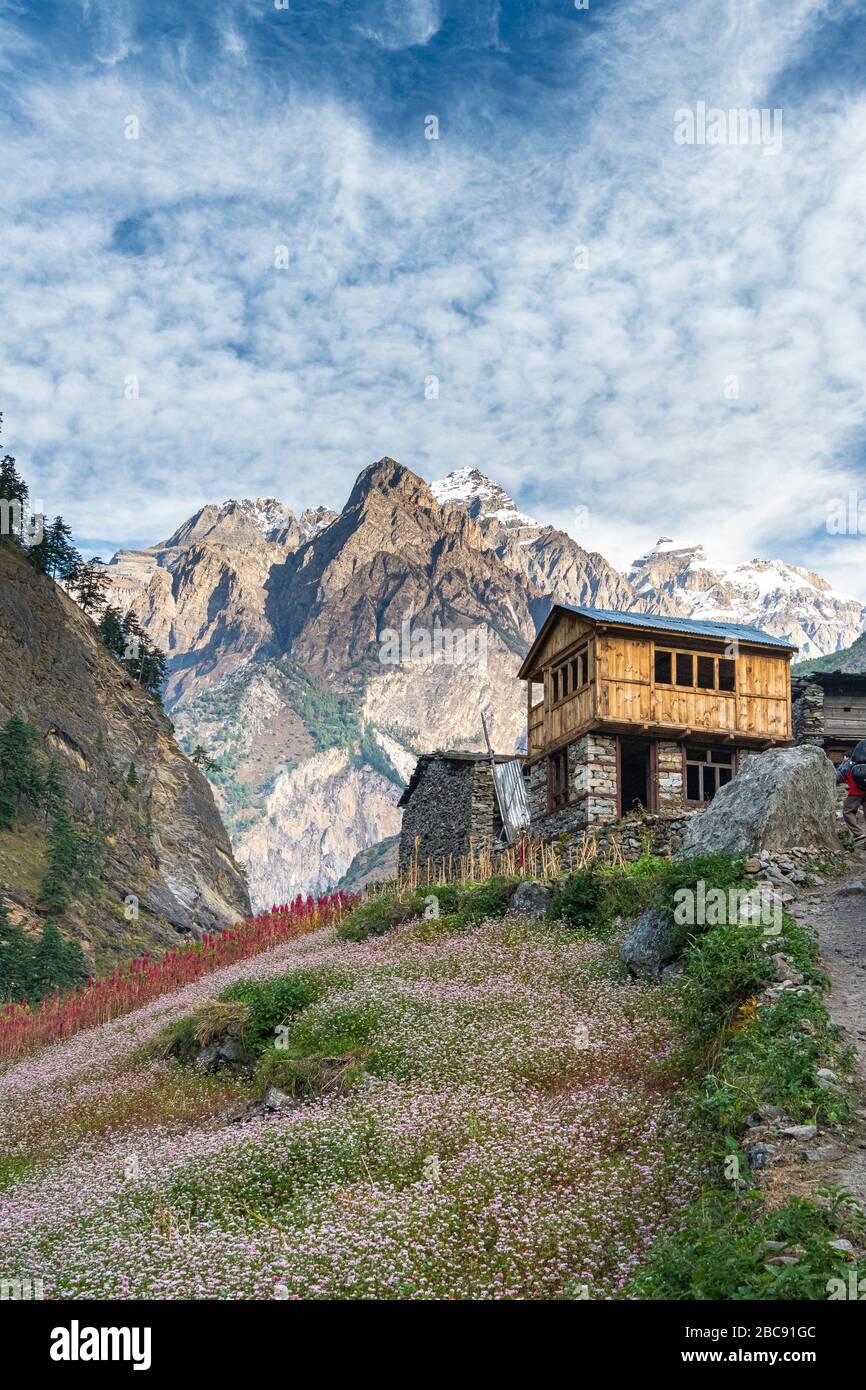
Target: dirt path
[{"x": 838, "y": 911}]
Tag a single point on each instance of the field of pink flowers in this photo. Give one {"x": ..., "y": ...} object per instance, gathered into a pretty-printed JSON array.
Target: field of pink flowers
[{"x": 511, "y": 1142}]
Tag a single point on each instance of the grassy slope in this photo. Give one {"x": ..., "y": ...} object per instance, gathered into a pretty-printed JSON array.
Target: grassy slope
[{"x": 523, "y": 1123}]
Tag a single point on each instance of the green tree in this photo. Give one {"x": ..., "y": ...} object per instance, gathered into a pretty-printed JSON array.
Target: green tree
[
  {"x": 53, "y": 787},
  {"x": 54, "y": 554},
  {"x": 63, "y": 850},
  {"x": 202, "y": 759},
  {"x": 57, "y": 964},
  {"x": 14, "y": 496},
  {"x": 88, "y": 583},
  {"x": 132, "y": 776},
  {"x": 20, "y": 772},
  {"x": 111, "y": 630},
  {"x": 15, "y": 960}
]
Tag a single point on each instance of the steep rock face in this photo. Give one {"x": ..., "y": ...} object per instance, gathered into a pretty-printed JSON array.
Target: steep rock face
[
  {"x": 552, "y": 564},
  {"x": 784, "y": 600},
  {"x": 163, "y": 839},
  {"x": 315, "y": 819}
]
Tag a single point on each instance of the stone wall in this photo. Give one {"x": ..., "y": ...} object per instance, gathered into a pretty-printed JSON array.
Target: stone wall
[
  {"x": 591, "y": 788},
  {"x": 439, "y": 812},
  {"x": 670, "y": 774},
  {"x": 807, "y": 715}
]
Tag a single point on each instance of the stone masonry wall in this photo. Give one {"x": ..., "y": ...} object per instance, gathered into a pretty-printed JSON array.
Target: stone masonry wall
[
  {"x": 439, "y": 813},
  {"x": 807, "y": 715},
  {"x": 670, "y": 774}
]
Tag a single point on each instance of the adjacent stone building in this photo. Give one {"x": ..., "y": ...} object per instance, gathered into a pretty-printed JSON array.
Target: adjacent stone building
[
  {"x": 829, "y": 710},
  {"x": 449, "y": 807}
]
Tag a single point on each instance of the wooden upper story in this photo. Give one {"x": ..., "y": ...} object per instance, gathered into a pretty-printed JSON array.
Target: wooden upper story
[{"x": 595, "y": 669}]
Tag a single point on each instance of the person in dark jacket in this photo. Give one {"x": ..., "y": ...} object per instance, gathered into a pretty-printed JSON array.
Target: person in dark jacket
[{"x": 855, "y": 802}]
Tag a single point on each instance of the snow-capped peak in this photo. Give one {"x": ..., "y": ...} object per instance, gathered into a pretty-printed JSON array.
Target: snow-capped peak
[{"x": 473, "y": 492}]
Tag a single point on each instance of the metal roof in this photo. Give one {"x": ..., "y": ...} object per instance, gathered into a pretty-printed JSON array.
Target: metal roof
[{"x": 659, "y": 624}]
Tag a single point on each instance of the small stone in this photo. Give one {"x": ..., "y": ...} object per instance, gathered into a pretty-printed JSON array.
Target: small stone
[
  {"x": 760, "y": 1156},
  {"x": 274, "y": 1099},
  {"x": 799, "y": 1131},
  {"x": 823, "y": 1152},
  {"x": 752, "y": 864}
]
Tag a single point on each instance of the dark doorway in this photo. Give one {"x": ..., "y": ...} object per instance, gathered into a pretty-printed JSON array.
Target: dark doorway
[{"x": 635, "y": 783}]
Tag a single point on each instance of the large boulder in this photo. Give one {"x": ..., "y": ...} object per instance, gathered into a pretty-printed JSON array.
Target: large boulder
[
  {"x": 779, "y": 799},
  {"x": 531, "y": 899},
  {"x": 649, "y": 947}
]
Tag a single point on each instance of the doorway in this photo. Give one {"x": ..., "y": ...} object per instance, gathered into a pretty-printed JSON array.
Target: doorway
[{"x": 635, "y": 781}]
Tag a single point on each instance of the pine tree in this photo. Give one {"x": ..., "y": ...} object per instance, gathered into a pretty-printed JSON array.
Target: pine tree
[
  {"x": 202, "y": 759},
  {"x": 57, "y": 964},
  {"x": 20, "y": 773},
  {"x": 55, "y": 554},
  {"x": 53, "y": 787},
  {"x": 15, "y": 960},
  {"x": 132, "y": 776},
  {"x": 62, "y": 860},
  {"x": 14, "y": 496},
  {"x": 111, "y": 630},
  {"x": 88, "y": 583}
]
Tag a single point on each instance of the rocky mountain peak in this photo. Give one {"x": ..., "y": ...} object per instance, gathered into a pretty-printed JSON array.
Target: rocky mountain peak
[
  {"x": 392, "y": 480},
  {"x": 473, "y": 492}
]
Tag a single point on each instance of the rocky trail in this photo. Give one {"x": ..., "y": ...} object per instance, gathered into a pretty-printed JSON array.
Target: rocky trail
[{"x": 837, "y": 910}]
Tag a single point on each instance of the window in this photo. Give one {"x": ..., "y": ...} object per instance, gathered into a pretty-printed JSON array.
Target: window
[
  {"x": 707, "y": 769},
  {"x": 572, "y": 676},
  {"x": 557, "y": 771},
  {"x": 694, "y": 671},
  {"x": 706, "y": 673},
  {"x": 685, "y": 668},
  {"x": 664, "y": 667}
]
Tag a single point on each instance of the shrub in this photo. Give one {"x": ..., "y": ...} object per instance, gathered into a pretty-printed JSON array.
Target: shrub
[
  {"x": 579, "y": 900},
  {"x": 185, "y": 1037},
  {"x": 310, "y": 1076},
  {"x": 722, "y": 1251},
  {"x": 271, "y": 1003},
  {"x": 378, "y": 916}
]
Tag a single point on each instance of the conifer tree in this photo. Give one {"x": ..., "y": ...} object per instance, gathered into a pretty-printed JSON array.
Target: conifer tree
[
  {"x": 55, "y": 554},
  {"x": 57, "y": 964},
  {"x": 63, "y": 851},
  {"x": 88, "y": 583},
  {"x": 15, "y": 960},
  {"x": 14, "y": 496},
  {"x": 20, "y": 774},
  {"x": 111, "y": 630},
  {"x": 132, "y": 776}
]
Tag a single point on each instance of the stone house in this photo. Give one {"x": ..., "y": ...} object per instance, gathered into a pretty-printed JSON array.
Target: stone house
[
  {"x": 829, "y": 710},
  {"x": 629, "y": 710},
  {"x": 449, "y": 807}
]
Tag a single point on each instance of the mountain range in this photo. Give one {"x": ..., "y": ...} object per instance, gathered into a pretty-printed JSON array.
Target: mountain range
[{"x": 280, "y": 632}]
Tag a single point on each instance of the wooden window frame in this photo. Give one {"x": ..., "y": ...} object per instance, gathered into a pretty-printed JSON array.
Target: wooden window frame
[
  {"x": 579, "y": 657},
  {"x": 706, "y": 761},
  {"x": 557, "y": 785},
  {"x": 696, "y": 657}
]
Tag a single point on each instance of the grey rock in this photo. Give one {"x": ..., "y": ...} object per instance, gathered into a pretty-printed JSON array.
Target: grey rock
[
  {"x": 781, "y": 798},
  {"x": 760, "y": 1155},
  {"x": 531, "y": 900},
  {"x": 822, "y": 1152},
  {"x": 275, "y": 1099},
  {"x": 844, "y": 1247},
  {"x": 799, "y": 1131},
  {"x": 649, "y": 947}
]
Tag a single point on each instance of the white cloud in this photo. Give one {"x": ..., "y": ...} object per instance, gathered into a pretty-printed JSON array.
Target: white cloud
[{"x": 603, "y": 387}]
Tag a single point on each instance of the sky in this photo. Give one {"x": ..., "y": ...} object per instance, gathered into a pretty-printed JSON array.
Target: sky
[{"x": 235, "y": 262}]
